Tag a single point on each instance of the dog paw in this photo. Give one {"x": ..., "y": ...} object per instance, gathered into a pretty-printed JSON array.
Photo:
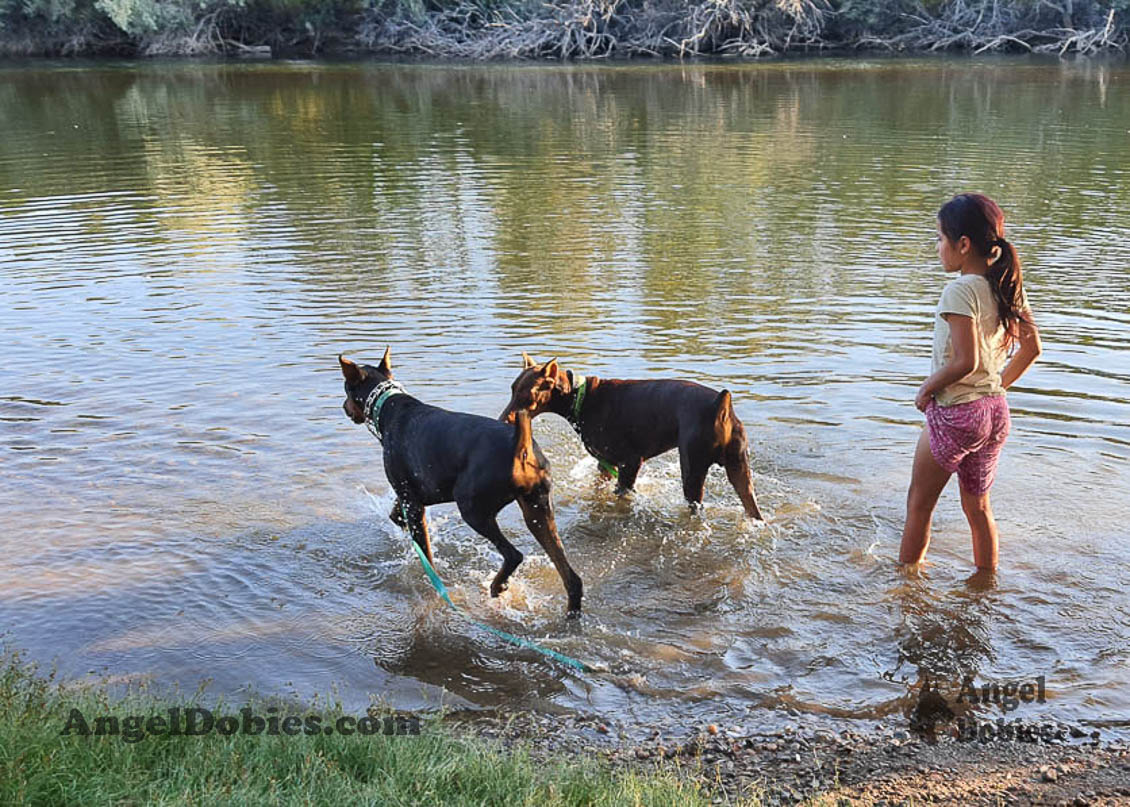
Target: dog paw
[{"x": 498, "y": 588}]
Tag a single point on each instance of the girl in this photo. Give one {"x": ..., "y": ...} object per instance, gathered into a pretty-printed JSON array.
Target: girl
[{"x": 982, "y": 314}]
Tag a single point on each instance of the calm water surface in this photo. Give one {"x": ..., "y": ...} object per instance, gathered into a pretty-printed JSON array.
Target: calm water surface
[{"x": 185, "y": 248}]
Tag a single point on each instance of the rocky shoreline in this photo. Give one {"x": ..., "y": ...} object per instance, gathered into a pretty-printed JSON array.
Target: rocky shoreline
[{"x": 800, "y": 765}]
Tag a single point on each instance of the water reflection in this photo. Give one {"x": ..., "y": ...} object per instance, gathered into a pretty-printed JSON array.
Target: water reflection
[{"x": 943, "y": 639}]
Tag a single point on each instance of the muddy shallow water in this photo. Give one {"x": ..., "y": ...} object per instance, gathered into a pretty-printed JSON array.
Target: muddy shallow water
[{"x": 184, "y": 249}]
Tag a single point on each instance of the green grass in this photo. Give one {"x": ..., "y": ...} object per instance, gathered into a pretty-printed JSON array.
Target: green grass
[{"x": 39, "y": 766}]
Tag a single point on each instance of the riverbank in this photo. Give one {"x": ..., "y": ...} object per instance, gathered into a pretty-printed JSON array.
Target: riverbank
[
  {"x": 51, "y": 752},
  {"x": 801, "y": 766},
  {"x": 563, "y": 29}
]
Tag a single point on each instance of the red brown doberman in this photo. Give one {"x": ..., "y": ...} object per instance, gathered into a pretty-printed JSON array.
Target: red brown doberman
[{"x": 623, "y": 423}]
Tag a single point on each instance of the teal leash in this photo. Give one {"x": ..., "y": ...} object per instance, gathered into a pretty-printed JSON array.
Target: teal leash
[{"x": 441, "y": 589}]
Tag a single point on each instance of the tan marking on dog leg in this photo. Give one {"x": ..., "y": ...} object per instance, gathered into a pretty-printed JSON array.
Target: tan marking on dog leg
[{"x": 537, "y": 509}]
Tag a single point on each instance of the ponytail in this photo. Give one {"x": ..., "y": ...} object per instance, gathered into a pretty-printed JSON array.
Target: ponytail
[
  {"x": 1007, "y": 282},
  {"x": 981, "y": 220}
]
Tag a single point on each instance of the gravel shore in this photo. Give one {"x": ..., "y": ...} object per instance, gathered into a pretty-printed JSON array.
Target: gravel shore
[{"x": 801, "y": 765}]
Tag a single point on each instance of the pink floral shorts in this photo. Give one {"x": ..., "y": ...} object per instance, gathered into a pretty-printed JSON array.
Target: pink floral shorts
[{"x": 967, "y": 439}]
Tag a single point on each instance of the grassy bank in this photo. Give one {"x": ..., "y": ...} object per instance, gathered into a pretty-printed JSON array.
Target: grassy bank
[
  {"x": 40, "y": 766},
  {"x": 557, "y": 29}
]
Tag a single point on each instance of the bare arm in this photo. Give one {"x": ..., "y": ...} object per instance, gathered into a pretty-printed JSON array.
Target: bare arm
[
  {"x": 1030, "y": 350},
  {"x": 961, "y": 363}
]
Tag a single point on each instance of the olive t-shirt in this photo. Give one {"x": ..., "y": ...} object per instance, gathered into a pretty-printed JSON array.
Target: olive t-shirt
[{"x": 971, "y": 296}]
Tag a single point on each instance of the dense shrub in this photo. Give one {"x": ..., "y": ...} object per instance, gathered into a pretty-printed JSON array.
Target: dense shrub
[{"x": 557, "y": 28}]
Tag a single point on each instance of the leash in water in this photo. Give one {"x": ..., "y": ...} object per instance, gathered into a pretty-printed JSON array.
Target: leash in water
[{"x": 441, "y": 589}]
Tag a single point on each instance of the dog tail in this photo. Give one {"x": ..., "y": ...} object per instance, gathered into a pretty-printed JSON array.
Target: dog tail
[
  {"x": 527, "y": 471},
  {"x": 723, "y": 418}
]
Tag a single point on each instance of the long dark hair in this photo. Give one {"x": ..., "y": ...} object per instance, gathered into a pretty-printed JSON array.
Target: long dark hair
[{"x": 981, "y": 220}]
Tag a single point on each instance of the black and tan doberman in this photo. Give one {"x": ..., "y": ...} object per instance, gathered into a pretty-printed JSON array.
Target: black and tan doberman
[{"x": 433, "y": 456}]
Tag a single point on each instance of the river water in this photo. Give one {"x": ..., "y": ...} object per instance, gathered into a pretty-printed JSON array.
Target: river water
[{"x": 186, "y": 247}]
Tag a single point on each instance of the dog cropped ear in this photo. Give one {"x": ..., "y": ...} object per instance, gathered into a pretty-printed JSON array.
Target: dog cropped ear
[
  {"x": 527, "y": 362},
  {"x": 353, "y": 374},
  {"x": 386, "y": 362},
  {"x": 550, "y": 369}
]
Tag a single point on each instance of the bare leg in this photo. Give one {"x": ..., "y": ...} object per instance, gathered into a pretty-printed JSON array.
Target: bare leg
[
  {"x": 927, "y": 481},
  {"x": 982, "y": 580},
  {"x": 984, "y": 527},
  {"x": 538, "y": 512}
]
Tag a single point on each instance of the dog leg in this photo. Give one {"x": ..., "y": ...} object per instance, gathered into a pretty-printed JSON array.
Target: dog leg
[
  {"x": 694, "y": 468},
  {"x": 537, "y": 508},
  {"x": 737, "y": 471},
  {"x": 397, "y": 514},
  {"x": 626, "y": 475},
  {"x": 485, "y": 525},
  {"x": 417, "y": 527}
]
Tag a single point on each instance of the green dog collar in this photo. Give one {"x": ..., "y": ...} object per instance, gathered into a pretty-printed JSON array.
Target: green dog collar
[{"x": 580, "y": 385}]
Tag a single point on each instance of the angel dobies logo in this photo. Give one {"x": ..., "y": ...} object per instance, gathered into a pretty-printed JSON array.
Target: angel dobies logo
[{"x": 958, "y": 714}]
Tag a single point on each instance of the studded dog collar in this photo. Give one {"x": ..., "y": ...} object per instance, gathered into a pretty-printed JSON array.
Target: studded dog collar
[{"x": 376, "y": 401}]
